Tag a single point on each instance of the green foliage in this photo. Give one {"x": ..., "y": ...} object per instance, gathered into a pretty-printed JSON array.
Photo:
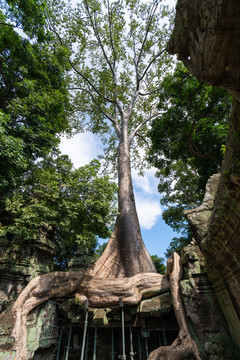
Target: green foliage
[
  {"x": 176, "y": 245},
  {"x": 118, "y": 61},
  {"x": 34, "y": 102},
  {"x": 100, "y": 249},
  {"x": 27, "y": 15},
  {"x": 66, "y": 206},
  {"x": 159, "y": 265},
  {"x": 187, "y": 143},
  {"x": 193, "y": 126}
]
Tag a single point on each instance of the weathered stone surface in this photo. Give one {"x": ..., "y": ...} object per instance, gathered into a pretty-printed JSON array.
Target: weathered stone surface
[
  {"x": 42, "y": 330},
  {"x": 6, "y": 342},
  {"x": 206, "y": 321},
  {"x": 206, "y": 38},
  {"x": 156, "y": 306},
  {"x": 218, "y": 234},
  {"x": 199, "y": 218},
  {"x": 4, "y": 301},
  {"x": 100, "y": 317},
  {"x": 80, "y": 261},
  {"x": 19, "y": 264},
  {"x": 7, "y": 355}
]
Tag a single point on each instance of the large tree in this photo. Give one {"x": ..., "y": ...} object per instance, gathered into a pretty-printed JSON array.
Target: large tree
[
  {"x": 118, "y": 59},
  {"x": 187, "y": 144},
  {"x": 116, "y": 74}
]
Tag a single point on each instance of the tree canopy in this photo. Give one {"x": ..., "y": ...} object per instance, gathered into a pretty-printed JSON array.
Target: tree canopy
[
  {"x": 41, "y": 195},
  {"x": 118, "y": 57},
  {"x": 27, "y": 15},
  {"x": 34, "y": 105},
  {"x": 70, "y": 208},
  {"x": 188, "y": 142}
]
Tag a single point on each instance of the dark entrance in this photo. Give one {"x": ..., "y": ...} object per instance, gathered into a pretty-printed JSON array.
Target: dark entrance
[{"x": 106, "y": 343}]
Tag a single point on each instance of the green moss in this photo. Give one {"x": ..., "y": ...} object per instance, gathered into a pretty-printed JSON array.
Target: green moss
[
  {"x": 6, "y": 342},
  {"x": 156, "y": 306},
  {"x": 7, "y": 355},
  {"x": 187, "y": 289},
  {"x": 221, "y": 338},
  {"x": 41, "y": 327}
]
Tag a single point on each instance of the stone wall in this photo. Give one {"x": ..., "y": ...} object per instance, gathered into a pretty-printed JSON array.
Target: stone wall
[
  {"x": 207, "y": 39},
  {"x": 206, "y": 321}
]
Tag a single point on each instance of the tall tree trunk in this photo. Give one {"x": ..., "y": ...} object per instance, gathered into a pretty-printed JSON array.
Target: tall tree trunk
[{"x": 125, "y": 254}]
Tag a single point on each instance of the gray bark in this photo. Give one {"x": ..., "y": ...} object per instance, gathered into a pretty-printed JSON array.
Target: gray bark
[{"x": 125, "y": 254}]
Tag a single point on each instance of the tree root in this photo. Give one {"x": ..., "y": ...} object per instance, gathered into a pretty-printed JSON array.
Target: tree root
[
  {"x": 184, "y": 347},
  {"x": 106, "y": 292},
  {"x": 181, "y": 349},
  {"x": 102, "y": 292},
  {"x": 39, "y": 290},
  {"x": 98, "y": 291}
]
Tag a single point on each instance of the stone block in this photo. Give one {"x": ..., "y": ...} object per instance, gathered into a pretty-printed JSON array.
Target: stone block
[
  {"x": 100, "y": 317},
  {"x": 6, "y": 342},
  {"x": 156, "y": 306},
  {"x": 7, "y": 355},
  {"x": 42, "y": 327}
]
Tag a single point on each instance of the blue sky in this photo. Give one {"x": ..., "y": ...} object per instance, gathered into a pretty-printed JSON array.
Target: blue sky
[{"x": 84, "y": 147}]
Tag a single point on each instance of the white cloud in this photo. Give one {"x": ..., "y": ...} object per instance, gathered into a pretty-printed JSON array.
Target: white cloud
[
  {"x": 148, "y": 183},
  {"x": 147, "y": 198},
  {"x": 148, "y": 210},
  {"x": 81, "y": 148}
]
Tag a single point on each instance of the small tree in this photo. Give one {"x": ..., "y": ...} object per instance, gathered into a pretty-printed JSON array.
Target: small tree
[{"x": 117, "y": 67}]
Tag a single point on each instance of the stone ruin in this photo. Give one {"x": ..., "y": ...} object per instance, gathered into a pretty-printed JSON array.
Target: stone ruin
[
  {"x": 157, "y": 326},
  {"x": 55, "y": 328}
]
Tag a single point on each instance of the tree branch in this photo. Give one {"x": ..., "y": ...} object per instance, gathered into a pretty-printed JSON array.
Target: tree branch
[
  {"x": 143, "y": 138},
  {"x": 11, "y": 25},
  {"x": 110, "y": 33},
  {"x": 89, "y": 82},
  {"x": 96, "y": 32},
  {"x": 113, "y": 121},
  {"x": 151, "y": 62},
  {"x": 134, "y": 132},
  {"x": 77, "y": 70},
  {"x": 134, "y": 53},
  {"x": 146, "y": 34},
  {"x": 114, "y": 56},
  {"x": 132, "y": 102},
  {"x": 149, "y": 93},
  {"x": 95, "y": 101}
]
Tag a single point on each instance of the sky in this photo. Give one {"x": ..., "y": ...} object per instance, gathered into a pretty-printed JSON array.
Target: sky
[{"x": 84, "y": 147}]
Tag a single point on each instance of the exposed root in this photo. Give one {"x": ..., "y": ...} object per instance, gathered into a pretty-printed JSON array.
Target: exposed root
[
  {"x": 181, "y": 349},
  {"x": 99, "y": 292},
  {"x": 184, "y": 347},
  {"x": 106, "y": 292},
  {"x": 39, "y": 290}
]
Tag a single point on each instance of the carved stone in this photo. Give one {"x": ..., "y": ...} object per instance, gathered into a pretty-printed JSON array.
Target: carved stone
[{"x": 206, "y": 38}]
